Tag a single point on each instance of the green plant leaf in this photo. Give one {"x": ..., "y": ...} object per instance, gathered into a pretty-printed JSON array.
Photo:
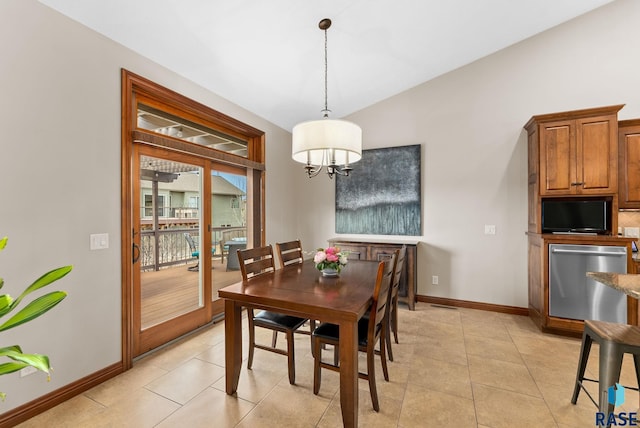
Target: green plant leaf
[
  {"x": 38, "y": 361},
  {"x": 5, "y": 304},
  {"x": 3, "y": 242},
  {"x": 14, "y": 366},
  {"x": 43, "y": 281},
  {"x": 1, "y": 282},
  {"x": 7, "y": 349},
  {"x": 34, "y": 309}
]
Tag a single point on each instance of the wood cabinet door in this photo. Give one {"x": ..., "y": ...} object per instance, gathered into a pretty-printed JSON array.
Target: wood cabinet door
[
  {"x": 356, "y": 252},
  {"x": 557, "y": 158},
  {"x": 596, "y": 155},
  {"x": 629, "y": 164}
]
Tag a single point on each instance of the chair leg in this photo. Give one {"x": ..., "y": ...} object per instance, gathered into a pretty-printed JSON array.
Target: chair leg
[
  {"x": 610, "y": 365},
  {"x": 291, "y": 357},
  {"x": 317, "y": 355},
  {"x": 274, "y": 339},
  {"x": 387, "y": 339},
  {"x": 582, "y": 364},
  {"x": 252, "y": 338},
  {"x": 394, "y": 320},
  {"x": 336, "y": 355},
  {"x": 383, "y": 356},
  {"x": 371, "y": 376}
]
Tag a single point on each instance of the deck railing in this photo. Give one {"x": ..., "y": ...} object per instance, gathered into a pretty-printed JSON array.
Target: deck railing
[{"x": 167, "y": 247}]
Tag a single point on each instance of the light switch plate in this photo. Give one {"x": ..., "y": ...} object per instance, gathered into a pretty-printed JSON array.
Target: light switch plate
[{"x": 99, "y": 241}]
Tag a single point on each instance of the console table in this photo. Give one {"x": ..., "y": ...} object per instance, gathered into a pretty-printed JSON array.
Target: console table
[{"x": 379, "y": 250}]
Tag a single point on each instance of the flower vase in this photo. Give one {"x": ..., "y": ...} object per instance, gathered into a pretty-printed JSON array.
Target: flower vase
[{"x": 330, "y": 272}]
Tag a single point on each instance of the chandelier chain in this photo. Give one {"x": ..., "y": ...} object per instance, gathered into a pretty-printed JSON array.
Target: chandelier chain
[{"x": 326, "y": 104}]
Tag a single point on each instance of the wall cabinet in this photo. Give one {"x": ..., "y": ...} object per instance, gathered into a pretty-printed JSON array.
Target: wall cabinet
[
  {"x": 577, "y": 151},
  {"x": 629, "y": 163},
  {"x": 379, "y": 250}
]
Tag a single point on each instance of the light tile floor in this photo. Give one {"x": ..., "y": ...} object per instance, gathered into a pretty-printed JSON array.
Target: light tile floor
[{"x": 453, "y": 368}]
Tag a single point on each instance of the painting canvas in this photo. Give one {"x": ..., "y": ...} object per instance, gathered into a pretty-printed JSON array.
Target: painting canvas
[{"x": 382, "y": 194}]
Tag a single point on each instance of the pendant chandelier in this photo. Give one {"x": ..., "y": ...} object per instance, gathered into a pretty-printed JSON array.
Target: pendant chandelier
[{"x": 330, "y": 143}]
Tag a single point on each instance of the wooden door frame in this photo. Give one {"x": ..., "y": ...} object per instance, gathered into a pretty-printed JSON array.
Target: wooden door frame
[{"x": 135, "y": 88}]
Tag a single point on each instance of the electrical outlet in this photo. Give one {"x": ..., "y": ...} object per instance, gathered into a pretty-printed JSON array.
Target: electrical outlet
[
  {"x": 28, "y": 371},
  {"x": 434, "y": 279},
  {"x": 633, "y": 232}
]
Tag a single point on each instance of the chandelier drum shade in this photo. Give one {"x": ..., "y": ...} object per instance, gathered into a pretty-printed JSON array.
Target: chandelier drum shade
[
  {"x": 330, "y": 143},
  {"x": 327, "y": 141}
]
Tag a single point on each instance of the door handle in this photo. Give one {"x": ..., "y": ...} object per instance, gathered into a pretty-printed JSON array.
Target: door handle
[
  {"x": 136, "y": 253},
  {"x": 594, "y": 253}
]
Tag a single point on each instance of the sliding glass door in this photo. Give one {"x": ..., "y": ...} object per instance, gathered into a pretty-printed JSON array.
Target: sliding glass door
[{"x": 171, "y": 257}]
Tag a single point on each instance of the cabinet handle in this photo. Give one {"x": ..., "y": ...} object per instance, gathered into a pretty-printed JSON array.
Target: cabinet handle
[{"x": 577, "y": 184}]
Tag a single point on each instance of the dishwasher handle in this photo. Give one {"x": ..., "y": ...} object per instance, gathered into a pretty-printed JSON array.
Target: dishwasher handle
[{"x": 599, "y": 253}]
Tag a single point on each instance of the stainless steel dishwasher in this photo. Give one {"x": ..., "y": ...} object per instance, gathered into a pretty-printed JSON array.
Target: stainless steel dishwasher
[{"x": 573, "y": 295}]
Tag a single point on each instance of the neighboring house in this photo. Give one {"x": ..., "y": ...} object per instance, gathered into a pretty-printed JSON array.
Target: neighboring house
[{"x": 180, "y": 199}]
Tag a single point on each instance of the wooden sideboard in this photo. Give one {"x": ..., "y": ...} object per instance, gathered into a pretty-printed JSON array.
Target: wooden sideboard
[{"x": 379, "y": 250}]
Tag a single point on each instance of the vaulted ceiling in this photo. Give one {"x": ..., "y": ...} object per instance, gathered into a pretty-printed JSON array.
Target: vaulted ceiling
[{"x": 268, "y": 55}]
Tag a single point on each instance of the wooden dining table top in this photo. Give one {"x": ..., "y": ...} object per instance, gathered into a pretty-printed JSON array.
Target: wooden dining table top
[{"x": 303, "y": 290}]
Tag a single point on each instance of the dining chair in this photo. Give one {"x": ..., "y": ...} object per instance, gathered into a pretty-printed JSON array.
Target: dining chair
[
  {"x": 290, "y": 253},
  {"x": 260, "y": 261},
  {"x": 370, "y": 332},
  {"x": 393, "y": 299}
]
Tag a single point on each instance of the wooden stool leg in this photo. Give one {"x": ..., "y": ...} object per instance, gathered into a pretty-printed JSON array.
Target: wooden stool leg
[
  {"x": 585, "y": 349},
  {"x": 609, "y": 373}
]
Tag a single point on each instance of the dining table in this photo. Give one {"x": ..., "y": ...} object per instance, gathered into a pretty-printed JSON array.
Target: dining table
[{"x": 301, "y": 290}]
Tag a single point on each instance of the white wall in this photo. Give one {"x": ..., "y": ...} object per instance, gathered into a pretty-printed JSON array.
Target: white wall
[
  {"x": 60, "y": 153},
  {"x": 60, "y": 163},
  {"x": 474, "y": 154}
]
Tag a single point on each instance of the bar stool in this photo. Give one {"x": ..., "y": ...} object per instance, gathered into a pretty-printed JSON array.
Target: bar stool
[{"x": 615, "y": 340}]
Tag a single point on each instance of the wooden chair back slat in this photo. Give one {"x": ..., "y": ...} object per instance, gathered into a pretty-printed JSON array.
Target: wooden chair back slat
[{"x": 256, "y": 261}]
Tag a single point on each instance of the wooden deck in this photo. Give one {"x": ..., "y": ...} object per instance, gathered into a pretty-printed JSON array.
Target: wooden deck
[{"x": 173, "y": 291}]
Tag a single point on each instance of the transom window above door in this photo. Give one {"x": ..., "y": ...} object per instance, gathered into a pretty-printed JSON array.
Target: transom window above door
[{"x": 160, "y": 122}]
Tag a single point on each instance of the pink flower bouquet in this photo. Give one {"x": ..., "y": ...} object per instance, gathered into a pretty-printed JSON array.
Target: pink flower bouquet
[{"x": 330, "y": 258}]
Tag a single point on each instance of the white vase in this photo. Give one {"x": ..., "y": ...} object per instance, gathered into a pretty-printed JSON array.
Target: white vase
[{"x": 330, "y": 272}]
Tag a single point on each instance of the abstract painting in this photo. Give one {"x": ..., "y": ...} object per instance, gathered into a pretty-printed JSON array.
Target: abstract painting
[{"x": 382, "y": 194}]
